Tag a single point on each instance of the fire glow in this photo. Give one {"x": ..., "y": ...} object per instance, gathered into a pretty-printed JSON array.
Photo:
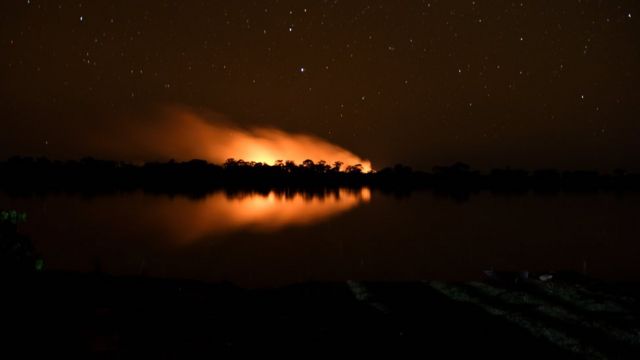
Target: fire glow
[
  {"x": 183, "y": 134},
  {"x": 184, "y": 221},
  {"x": 271, "y": 212}
]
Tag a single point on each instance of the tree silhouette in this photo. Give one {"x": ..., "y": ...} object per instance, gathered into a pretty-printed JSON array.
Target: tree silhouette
[
  {"x": 354, "y": 169},
  {"x": 26, "y": 175}
]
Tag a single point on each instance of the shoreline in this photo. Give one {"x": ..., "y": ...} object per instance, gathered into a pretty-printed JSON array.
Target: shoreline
[{"x": 107, "y": 316}]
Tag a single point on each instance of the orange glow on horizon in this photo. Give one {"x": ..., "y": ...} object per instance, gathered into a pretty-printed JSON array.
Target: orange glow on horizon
[
  {"x": 182, "y": 134},
  {"x": 270, "y": 145}
]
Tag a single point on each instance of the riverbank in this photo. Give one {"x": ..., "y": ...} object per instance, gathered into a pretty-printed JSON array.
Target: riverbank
[{"x": 104, "y": 316}]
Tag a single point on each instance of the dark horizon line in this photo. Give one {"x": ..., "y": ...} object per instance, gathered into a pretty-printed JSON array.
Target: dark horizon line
[
  {"x": 197, "y": 178},
  {"x": 283, "y": 163}
]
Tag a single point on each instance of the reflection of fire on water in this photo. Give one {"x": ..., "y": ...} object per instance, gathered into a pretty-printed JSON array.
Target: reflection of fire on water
[{"x": 220, "y": 213}]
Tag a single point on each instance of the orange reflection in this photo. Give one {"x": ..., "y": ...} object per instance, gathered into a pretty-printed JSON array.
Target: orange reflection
[{"x": 189, "y": 220}]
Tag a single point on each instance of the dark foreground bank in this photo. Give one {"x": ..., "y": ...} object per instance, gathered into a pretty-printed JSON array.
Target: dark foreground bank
[{"x": 113, "y": 317}]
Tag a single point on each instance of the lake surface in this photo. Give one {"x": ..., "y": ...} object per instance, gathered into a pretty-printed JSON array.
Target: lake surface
[{"x": 273, "y": 239}]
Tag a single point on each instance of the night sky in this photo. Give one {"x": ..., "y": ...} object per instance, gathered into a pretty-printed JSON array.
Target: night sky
[{"x": 528, "y": 84}]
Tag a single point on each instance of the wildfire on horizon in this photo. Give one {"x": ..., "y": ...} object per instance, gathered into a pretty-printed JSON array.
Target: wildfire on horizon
[{"x": 181, "y": 133}]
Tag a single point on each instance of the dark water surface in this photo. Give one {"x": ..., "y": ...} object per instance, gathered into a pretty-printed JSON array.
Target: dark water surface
[{"x": 257, "y": 240}]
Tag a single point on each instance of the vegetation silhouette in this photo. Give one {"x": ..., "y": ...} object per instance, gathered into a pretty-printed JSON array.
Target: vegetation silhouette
[
  {"x": 196, "y": 178},
  {"x": 17, "y": 254}
]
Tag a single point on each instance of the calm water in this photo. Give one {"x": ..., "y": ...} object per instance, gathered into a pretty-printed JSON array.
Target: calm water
[{"x": 259, "y": 240}]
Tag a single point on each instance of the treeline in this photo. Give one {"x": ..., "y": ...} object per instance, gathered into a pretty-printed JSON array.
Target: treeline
[
  {"x": 195, "y": 177},
  {"x": 26, "y": 174}
]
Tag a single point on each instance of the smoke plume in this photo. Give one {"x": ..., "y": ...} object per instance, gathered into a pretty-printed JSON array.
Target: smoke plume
[{"x": 183, "y": 134}]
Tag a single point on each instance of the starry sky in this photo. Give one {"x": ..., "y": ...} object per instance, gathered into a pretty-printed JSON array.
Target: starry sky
[{"x": 529, "y": 84}]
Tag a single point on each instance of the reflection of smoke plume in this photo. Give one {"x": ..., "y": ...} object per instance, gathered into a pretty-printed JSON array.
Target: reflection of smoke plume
[
  {"x": 141, "y": 217},
  {"x": 274, "y": 211},
  {"x": 183, "y": 134}
]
